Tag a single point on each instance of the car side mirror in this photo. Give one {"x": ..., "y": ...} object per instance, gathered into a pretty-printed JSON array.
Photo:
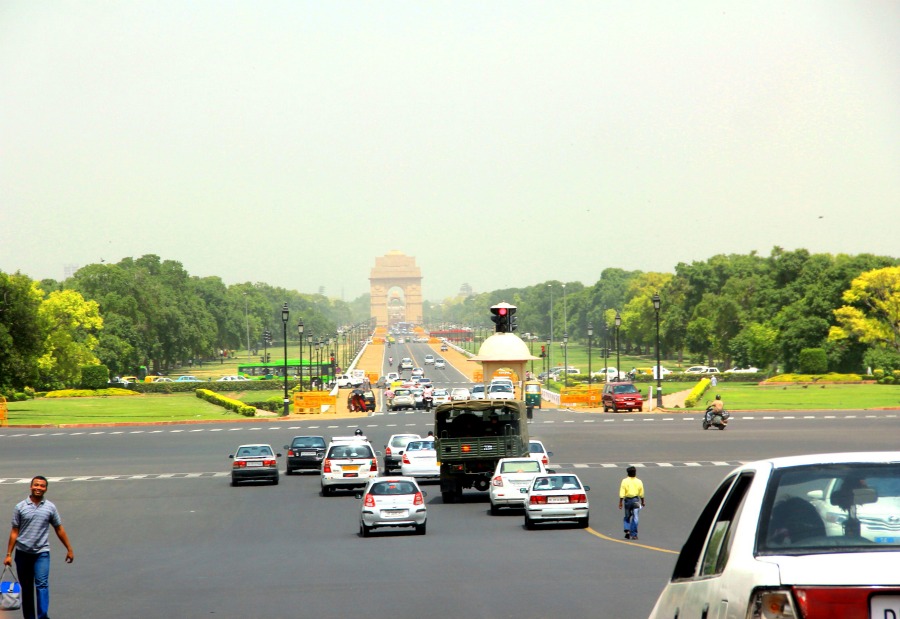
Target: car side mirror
[
  {"x": 549, "y": 454},
  {"x": 359, "y": 495},
  {"x": 587, "y": 488},
  {"x": 231, "y": 455},
  {"x": 551, "y": 471},
  {"x": 287, "y": 447},
  {"x": 277, "y": 455},
  {"x": 379, "y": 454}
]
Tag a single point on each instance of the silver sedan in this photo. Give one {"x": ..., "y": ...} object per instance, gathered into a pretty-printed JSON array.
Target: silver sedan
[{"x": 392, "y": 502}]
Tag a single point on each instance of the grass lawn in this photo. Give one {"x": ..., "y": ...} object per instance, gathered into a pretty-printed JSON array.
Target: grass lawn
[
  {"x": 750, "y": 396},
  {"x": 122, "y": 409}
]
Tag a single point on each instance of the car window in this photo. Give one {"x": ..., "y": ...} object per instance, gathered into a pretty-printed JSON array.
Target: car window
[
  {"x": 521, "y": 466},
  {"x": 820, "y": 507},
  {"x": 350, "y": 451},
  {"x": 535, "y": 448},
  {"x": 557, "y": 482},
  {"x": 392, "y": 487},
  {"x": 625, "y": 389},
  {"x": 718, "y": 547},
  {"x": 401, "y": 441},
  {"x": 309, "y": 441},
  {"x": 501, "y": 389},
  {"x": 255, "y": 451},
  {"x": 689, "y": 556}
]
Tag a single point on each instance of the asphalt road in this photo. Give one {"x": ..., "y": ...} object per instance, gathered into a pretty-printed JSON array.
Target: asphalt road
[{"x": 158, "y": 531}]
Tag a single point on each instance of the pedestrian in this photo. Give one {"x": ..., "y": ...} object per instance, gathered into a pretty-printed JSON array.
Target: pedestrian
[
  {"x": 714, "y": 381},
  {"x": 631, "y": 498},
  {"x": 30, "y": 537}
]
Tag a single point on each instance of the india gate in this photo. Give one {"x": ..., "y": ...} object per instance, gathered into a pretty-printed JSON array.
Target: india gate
[{"x": 395, "y": 287}]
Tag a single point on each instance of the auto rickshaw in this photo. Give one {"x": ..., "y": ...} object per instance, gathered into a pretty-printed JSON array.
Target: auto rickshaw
[{"x": 532, "y": 396}]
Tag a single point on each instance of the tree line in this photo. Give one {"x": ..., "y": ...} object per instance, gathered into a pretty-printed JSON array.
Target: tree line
[{"x": 744, "y": 310}]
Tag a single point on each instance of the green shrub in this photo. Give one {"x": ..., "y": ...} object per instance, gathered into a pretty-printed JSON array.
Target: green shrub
[
  {"x": 88, "y": 393},
  {"x": 813, "y": 361},
  {"x": 895, "y": 374},
  {"x": 697, "y": 392},
  {"x": 831, "y": 377},
  {"x": 888, "y": 380},
  {"x": 878, "y": 374},
  {"x": 883, "y": 358},
  {"x": 233, "y": 405},
  {"x": 94, "y": 376}
]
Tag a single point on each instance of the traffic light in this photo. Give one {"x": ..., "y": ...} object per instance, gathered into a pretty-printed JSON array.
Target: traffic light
[
  {"x": 503, "y": 316},
  {"x": 543, "y": 351}
]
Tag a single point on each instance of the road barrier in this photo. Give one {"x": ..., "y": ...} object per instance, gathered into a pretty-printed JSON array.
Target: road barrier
[{"x": 314, "y": 402}]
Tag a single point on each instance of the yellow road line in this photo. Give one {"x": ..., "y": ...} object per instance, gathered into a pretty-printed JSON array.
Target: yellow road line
[{"x": 629, "y": 542}]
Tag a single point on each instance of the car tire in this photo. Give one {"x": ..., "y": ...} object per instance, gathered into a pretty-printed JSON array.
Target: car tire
[
  {"x": 364, "y": 531},
  {"x": 326, "y": 491},
  {"x": 421, "y": 528},
  {"x": 234, "y": 482},
  {"x": 585, "y": 523},
  {"x": 615, "y": 408},
  {"x": 529, "y": 523},
  {"x": 288, "y": 471},
  {"x": 495, "y": 510},
  {"x": 275, "y": 482},
  {"x": 448, "y": 497}
]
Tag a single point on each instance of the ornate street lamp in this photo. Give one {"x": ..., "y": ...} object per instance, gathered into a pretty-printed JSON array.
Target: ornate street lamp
[
  {"x": 618, "y": 324},
  {"x": 658, "y": 364},
  {"x": 300, "y": 369},
  {"x": 285, "y": 314},
  {"x": 590, "y": 342}
]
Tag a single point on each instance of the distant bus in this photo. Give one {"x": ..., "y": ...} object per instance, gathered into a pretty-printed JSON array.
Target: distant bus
[{"x": 276, "y": 369}]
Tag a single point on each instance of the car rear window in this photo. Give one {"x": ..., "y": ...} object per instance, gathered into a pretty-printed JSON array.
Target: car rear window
[
  {"x": 385, "y": 488},
  {"x": 350, "y": 451},
  {"x": 831, "y": 508},
  {"x": 309, "y": 441},
  {"x": 401, "y": 441},
  {"x": 249, "y": 452},
  {"x": 521, "y": 466},
  {"x": 535, "y": 448},
  {"x": 557, "y": 482}
]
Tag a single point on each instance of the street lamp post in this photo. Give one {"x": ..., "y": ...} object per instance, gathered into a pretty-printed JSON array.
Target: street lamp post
[
  {"x": 549, "y": 346},
  {"x": 618, "y": 324},
  {"x": 658, "y": 362},
  {"x": 605, "y": 351},
  {"x": 590, "y": 342},
  {"x": 300, "y": 332},
  {"x": 247, "y": 320},
  {"x": 285, "y": 314},
  {"x": 309, "y": 347},
  {"x": 566, "y": 358}
]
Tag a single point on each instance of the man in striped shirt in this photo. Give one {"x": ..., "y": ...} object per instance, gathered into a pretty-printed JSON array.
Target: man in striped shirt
[{"x": 30, "y": 537}]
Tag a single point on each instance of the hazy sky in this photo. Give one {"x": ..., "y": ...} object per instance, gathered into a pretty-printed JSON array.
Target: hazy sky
[{"x": 499, "y": 143}]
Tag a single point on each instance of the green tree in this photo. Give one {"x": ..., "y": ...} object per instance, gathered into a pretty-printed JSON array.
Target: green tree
[
  {"x": 72, "y": 324},
  {"x": 21, "y": 331},
  {"x": 871, "y": 312}
]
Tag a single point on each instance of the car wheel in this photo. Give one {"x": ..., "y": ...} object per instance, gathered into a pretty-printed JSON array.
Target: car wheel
[
  {"x": 326, "y": 490},
  {"x": 289, "y": 471},
  {"x": 615, "y": 408},
  {"x": 495, "y": 509},
  {"x": 420, "y": 528},
  {"x": 448, "y": 497},
  {"x": 275, "y": 482},
  {"x": 529, "y": 523},
  {"x": 234, "y": 482},
  {"x": 364, "y": 531},
  {"x": 585, "y": 523}
]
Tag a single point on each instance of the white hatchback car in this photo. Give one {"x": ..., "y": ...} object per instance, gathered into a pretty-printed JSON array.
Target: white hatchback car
[
  {"x": 510, "y": 476},
  {"x": 460, "y": 394},
  {"x": 392, "y": 502},
  {"x": 440, "y": 396},
  {"x": 349, "y": 463},
  {"x": 554, "y": 498},
  {"x": 802, "y": 536},
  {"x": 439, "y": 364},
  {"x": 537, "y": 451},
  {"x": 420, "y": 460},
  {"x": 429, "y": 360}
]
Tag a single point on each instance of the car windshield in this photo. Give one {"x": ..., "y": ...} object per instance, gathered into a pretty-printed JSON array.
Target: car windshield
[
  {"x": 401, "y": 441},
  {"x": 535, "y": 448},
  {"x": 520, "y": 466},
  {"x": 309, "y": 441},
  {"x": 401, "y": 392},
  {"x": 501, "y": 388},
  {"x": 420, "y": 446},
  {"x": 254, "y": 451},
  {"x": 831, "y": 508},
  {"x": 557, "y": 482},
  {"x": 385, "y": 488},
  {"x": 625, "y": 389},
  {"x": 350, "y": 451}
]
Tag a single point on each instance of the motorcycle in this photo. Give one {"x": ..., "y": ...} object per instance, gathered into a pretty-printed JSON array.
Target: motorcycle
[
  {"x": 428, "y": 401},
  {"x": 715, "y": 420}
]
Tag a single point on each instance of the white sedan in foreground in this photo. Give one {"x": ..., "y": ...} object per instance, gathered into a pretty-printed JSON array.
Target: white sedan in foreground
[
  {"x": 555, "y": 498},
  {"x": 802, "y": 537},
  {"x": 420, "y": 460}
]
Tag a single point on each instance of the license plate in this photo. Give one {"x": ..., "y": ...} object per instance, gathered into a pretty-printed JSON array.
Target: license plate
[
  {"x": 351, "y": 474},
  {"x": 882, "y": 606},
  {"x": 350, "y": 467},
  {"x": 557, "y": 499},
  {"x": 393, "y": 513},
  {"x": 254, "y": 464},
  {"x": 518, "y": 483},
  {"x": 307, "y": 453}
]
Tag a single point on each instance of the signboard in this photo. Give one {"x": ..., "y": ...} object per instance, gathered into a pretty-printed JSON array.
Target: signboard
[
  {"x": 314, "y": 400},
  {"x": 582, "y": 395}
]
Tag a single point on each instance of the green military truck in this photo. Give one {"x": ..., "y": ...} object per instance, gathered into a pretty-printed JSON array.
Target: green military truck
[{"x": 471, "y": 436}]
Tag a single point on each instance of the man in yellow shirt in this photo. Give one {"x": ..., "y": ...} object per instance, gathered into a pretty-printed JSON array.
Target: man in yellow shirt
[{"x": 631, "y": 498}]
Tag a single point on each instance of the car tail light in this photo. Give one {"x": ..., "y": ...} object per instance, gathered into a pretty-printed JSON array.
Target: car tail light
[
  {"x": 290, "y": 453},
  {"x": 545, "y": 460},
  {"x": 497, "y": 481},
  {"x": 811, "y": 603},
  {"x": 268, "y": 462},
  {"x": 369, "y": 501},
  {"x": 326, "y": 466},
  {"x": 239, "y": 464},
  {"x": 538, "y": 499},
  {"x": 577, "y": 498},
  {"x": 418, "y": 499},
  {"x": 374, "y": 466},
  {"x": 387, "y": 451},
  {"x": 406, "y": 459}
]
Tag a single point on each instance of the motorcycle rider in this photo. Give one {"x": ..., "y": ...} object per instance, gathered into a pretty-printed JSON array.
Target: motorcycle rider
[
  {"x": 428, "y": 396},
  {"x": 390, "y": 362},
  {"x": 717, "y": 407}
]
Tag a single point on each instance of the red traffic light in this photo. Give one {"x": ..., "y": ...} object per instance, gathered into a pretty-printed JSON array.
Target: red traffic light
[{"x": 501, "y": 311}]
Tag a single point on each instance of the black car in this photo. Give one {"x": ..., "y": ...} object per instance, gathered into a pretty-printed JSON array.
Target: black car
[{"x": 305, "y": 453}]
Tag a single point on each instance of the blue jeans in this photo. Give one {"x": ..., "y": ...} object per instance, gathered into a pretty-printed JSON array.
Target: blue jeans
[
  {"x": 34, "y": 576},
  {"x": 632, "y": 507}
]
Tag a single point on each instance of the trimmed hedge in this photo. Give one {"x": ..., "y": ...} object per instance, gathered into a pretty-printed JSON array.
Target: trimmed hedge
[
  {"x": 94, "y": 377},
  {"x": 214, "y": 386},
  {"x": 233, "y": 405},
  {"x": 831, "y": 377},
  {"x": 697, "y": 393},
  {"x": 89, "y": 393}
]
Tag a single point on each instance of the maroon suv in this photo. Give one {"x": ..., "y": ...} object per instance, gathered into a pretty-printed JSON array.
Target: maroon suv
[{"x": 620, "y": 396}]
